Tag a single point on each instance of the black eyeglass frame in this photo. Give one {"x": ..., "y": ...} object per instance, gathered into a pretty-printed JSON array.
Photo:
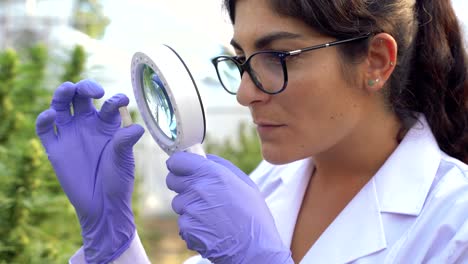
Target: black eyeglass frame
[{"x": 282, "y": 55}]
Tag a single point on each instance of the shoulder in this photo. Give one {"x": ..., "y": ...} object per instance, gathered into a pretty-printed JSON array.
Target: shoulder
[
  {"x": 448, "y": 197},
  {"x": 451, "y": 181},
  {"x": 441, "y": 230}
]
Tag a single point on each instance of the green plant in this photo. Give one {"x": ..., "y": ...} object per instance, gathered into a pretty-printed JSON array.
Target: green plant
[
  {"x": 88, "y": 17},
  {"x": 245, "y": 153},
  {"x": 37, "y": 223},
  {"x": 74, "y": 69}
]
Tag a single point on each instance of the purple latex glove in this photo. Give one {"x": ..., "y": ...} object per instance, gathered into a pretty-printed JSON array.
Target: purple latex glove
[
  {"x": 93, "y": 160},
  {"x": 223, "y": 216}
]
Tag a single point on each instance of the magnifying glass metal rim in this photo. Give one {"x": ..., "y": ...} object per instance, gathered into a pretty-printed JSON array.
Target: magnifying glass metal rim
[{"x": 182, "y": 92}]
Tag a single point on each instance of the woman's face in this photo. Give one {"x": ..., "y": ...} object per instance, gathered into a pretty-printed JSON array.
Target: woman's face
[{"x": 319, "y": 107}]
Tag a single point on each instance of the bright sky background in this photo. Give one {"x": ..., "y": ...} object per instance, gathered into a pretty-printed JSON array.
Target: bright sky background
[
  {"x": 461, "y": 7},
  {"x": 175, "y": 19},
  {"x": 196, "y": 29}
]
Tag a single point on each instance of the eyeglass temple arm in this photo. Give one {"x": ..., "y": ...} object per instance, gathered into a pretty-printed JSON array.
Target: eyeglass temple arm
[{"x": 326, "y": 45}]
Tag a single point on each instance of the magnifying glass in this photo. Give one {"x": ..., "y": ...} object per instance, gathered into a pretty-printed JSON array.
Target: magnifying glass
[{"x": 168, "y": 100}]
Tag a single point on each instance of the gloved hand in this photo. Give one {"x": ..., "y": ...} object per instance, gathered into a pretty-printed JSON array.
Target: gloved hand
[
  {"x": 223, "y": 216},
  {"x": 93, "y": 160}
]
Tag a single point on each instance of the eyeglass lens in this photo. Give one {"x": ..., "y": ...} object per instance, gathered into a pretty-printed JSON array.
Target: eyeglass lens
[
  {"x": 266, "y": 70},
  {"x": 229, "y": 74}
]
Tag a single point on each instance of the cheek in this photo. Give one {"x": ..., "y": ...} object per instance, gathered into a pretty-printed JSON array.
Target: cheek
[
  {"x": 322, "y": 96},
  {"x": 321, "y": 109}
]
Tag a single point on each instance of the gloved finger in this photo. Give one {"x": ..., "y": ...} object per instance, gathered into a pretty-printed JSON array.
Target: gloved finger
[
  {"x": 233, "y": 168},
  {"x": 178, "y": 184},
  {"x": 183, "y": 200},
  {"x": 61, "y": 102},
  {"x": 110, "y": 110},
  {"x": 196, "y": 235},
  {"x": 86, "y": 90},
  {"x": 185, "y": 163},
  {"x": 45, "y": 127},
  {"x": 125, "y": 138}
]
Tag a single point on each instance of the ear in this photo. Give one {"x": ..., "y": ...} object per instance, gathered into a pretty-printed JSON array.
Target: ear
[{"x": 381, "y": 61}]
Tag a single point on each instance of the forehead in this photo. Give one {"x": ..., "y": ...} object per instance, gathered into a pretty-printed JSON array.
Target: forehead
[{"x": 256, "y": 18}]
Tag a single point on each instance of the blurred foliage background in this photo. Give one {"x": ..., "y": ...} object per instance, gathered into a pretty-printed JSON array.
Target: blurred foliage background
[
  {"x": 88, "y": 17},
  {"x": 37, "y": 223},
  {"x": 244, "y": 151}
]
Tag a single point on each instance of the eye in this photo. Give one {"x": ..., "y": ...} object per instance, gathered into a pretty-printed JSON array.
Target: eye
[
  {"x": 267, "y": 58},
  {"x": 273, "y": 58}
]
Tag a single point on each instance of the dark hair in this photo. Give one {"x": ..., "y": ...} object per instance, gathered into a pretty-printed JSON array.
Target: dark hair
[{"x": 431, "y": 74}]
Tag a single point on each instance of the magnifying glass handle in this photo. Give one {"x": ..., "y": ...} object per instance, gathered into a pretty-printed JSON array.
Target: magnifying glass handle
[{"x": 197, "y": 149}]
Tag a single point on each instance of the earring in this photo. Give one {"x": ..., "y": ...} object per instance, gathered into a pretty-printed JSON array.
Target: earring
[
  {"x": 392, "y": 63},
  {"x": 373, "y": 82}
]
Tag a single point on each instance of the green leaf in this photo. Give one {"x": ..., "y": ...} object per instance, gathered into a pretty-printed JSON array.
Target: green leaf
[{"x": 245, "y": 153}]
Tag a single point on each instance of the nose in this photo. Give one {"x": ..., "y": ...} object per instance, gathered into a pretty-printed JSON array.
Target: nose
[{"x": 248, "y": 92}]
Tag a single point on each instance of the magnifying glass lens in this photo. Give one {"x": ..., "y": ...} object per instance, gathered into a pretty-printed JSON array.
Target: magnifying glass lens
[{"x": 158, "y": 103}]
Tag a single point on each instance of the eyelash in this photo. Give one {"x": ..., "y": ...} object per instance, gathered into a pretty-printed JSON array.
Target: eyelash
[{"x": 242, "y": 58}]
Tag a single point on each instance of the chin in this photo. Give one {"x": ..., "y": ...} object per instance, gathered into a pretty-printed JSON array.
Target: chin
[
  {"x": 277, "y": 155},
  {"x": 280, "y": 154}
]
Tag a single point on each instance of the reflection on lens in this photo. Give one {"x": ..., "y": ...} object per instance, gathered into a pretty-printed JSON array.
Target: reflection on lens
[
  {"x": 229, "y": 75},
  {"x": 158, "y": 103}
]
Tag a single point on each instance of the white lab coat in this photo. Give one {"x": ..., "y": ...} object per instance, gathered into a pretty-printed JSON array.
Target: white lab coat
[{"x": 414, "y": 210}]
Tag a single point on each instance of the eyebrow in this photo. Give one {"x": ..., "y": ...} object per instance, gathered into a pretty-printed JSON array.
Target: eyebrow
[{"x": 268, "y": 39}]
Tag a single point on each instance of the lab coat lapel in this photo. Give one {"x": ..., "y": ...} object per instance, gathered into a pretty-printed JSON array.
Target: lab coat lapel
[
  {"x": 349, "y": 237},
  {"x": 356, "y": 232},
  {"x": 404, "y": 181},
  {"x": 400, "y": 187}
]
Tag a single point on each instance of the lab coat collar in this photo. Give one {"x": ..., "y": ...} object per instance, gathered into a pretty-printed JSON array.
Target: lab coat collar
[
  {"x": 405, "y": 179},
  {"x": 400, "y": 186}
]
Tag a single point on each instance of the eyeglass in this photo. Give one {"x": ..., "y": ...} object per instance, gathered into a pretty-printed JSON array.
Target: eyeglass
[{"x": 267, "y": 69}]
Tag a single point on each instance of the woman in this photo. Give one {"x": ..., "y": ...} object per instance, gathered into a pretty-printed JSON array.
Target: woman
[{"x": 361, "y": 108}]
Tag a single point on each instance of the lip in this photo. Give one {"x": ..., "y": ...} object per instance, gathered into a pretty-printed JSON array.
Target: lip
[
  {"x": 266, "y": 123},
  {"x": 265, "y": 127}
]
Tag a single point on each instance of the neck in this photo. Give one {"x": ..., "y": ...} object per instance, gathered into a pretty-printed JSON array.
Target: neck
[{"x": 359, "y": 155}]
